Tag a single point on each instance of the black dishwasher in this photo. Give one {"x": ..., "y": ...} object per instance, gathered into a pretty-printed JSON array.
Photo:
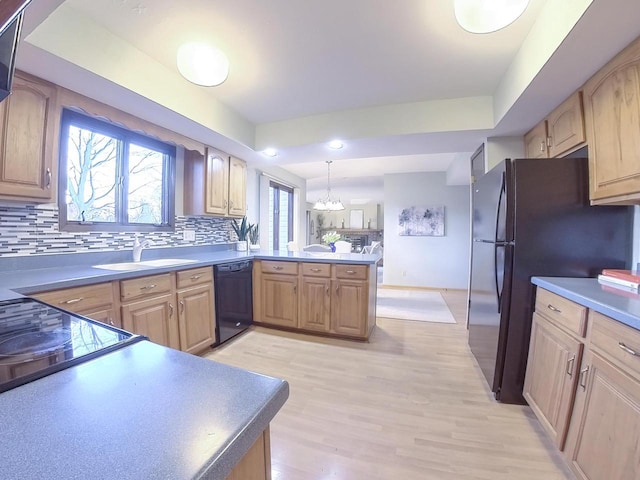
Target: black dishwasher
[{"x": 233, "y": 288}]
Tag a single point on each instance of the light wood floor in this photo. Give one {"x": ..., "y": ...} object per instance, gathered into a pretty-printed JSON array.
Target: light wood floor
[{"x": 411, "y": 404}]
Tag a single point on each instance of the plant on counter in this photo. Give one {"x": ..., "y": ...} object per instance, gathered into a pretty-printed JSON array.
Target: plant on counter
[
  {"x": 242, "y": 231},
  {"x": 254, "y": 236}
]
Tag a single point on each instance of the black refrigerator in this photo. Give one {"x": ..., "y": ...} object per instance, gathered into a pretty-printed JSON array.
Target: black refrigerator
[{"x": 531, "y": 217}]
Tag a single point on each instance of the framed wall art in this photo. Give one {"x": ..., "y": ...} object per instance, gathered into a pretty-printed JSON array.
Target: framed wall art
[{"x": 421, "y": 221}]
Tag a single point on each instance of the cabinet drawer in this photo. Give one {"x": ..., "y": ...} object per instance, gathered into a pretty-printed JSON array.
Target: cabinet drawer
[
  {"x": 145, "y": 286},
  {"x": 564, "y": 313},
  {"x": 79, "y": 299},
  {"x": 194, "y": 276},
  {"x": 282, "y": 268},
  {"x": 316, "y": 269},
  {"x": 617, "y": 341},
  {"x": 355, "y": 272}
]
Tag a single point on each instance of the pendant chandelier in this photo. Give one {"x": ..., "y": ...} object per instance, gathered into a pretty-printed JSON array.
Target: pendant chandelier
[{"x": 328, "y": 204}]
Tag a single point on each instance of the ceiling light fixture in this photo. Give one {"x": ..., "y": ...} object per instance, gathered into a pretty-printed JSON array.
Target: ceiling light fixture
[
  {"x": 336, "y": 144},
  {"x": 327, "y": 204},
  {"x": 486, "y": 16},
  {"x": 270, "y": 152},
  {"x": 202, "y": 64}
]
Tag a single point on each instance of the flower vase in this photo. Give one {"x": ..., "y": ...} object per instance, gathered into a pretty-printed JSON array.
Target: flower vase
[{"x": 333, "y": 246}]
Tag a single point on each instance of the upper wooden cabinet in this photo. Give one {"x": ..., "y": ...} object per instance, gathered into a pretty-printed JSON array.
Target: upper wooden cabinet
[
  {"x": 535, "y": 142},
  {"x": 612, "y": 114},
  {"x": 29, "y": 128},
  {"x": 565, "y": 126},
  {"x": 559, "y": 133},
  {"x": 214, "y": 184}
]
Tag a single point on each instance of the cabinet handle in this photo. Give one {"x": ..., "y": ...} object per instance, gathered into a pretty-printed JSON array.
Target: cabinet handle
[
  {"x": 48, "y": 185},
  {"x": 226, "y": 204},
  {"x": 350, "y": 272},
  {"x": 315, "y": 270},
  {"x": 542, "y": 146},
  {"x": 549, "y": 141},
  {"x": 110, "y": 322},
  {"x": 181, "y": 306},
  {"x": 628, "y": 350},
  {"x": 170, "y": 310},
  {"x": 338, "y": 290},
  {"x": 73, "y": 300},
  {"x": 277, "y": 268},
  {"x": 195, "y": 277},
  {"x": 148, "y": 287},
  {"x": 230, "y": 204},
  {"x": 583, "y": 378},
  {"x": 554, "y": 309},
  {"x": 327, "y": 291},
  {"x": 570, "y": 363},
  {"x": 295, "y": 289}
]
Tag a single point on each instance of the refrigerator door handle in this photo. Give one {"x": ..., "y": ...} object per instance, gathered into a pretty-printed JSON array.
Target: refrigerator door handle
[
  {"x": 495, "y": 276},
  {"x": 499, "y": 207}
]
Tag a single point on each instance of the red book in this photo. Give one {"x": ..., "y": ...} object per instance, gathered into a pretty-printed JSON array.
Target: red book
[{"x": 628, "y": 275}]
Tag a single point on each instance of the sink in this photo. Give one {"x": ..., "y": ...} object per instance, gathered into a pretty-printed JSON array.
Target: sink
[{"x": 128, "y": 266}]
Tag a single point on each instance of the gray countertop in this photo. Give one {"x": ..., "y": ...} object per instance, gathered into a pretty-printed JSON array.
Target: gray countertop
[
  {"x": 143, "y": 411},
  {"x": 78, "y": 269},
  {"x": 619, "y": 305}
]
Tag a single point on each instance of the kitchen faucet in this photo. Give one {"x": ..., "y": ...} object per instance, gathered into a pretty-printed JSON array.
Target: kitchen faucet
[{"x": 138, "y": 245}]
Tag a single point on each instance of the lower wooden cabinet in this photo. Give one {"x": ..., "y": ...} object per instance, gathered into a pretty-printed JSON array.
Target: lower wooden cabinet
[
  {"x": 596, "y": 397},
  {"x": 554, "y": 360},
  {"x": 97, "y": 302},
  {"x": 604, "y": 443},
  {"x": 256, "y": 463},
  {"x": 315, "y": 304},
  {"x": 349, "y": 307},
  {"x": 326, "y": 298},
  {"x": 279, "y": 300},
  {"x": 196, "y": 318},
  {"x": 155, "y": 318}
]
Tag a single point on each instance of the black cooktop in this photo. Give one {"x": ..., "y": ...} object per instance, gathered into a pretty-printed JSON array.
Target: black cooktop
[{"x": 37, "y": 340}]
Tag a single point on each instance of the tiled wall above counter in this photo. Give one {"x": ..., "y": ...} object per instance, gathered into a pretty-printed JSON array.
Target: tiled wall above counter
[{"x": 33, "y": 230}]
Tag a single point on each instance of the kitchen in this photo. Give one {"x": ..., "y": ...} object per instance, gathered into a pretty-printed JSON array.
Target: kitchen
[{"x": 213, "y": 227}]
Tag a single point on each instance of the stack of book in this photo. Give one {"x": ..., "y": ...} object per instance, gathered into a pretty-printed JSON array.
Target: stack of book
[{"x": 627, "y": 280}]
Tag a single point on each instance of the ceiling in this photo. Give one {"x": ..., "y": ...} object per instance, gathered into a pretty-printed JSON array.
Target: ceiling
[{"x": 400, "y": 83}]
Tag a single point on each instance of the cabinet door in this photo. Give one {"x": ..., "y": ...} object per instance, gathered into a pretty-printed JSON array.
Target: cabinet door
[
  {"x": 612, "y": 115},
  {"x": 196, "y": 318},
  {"x": 153, "y": 318},
  {"x": 105, "y": 315},
  {"x": 28, "y": 122},
  {"x": 604, "y": 443},
  {"x": 217, "y": 188},
  {"x": 535, "y": 142},
  {"x": 549, "y": 387},
  {"x": 349, "y": 302},
  {"x": 315, "y": 304},
  {"x": 565, "y": 126},
  {"x": 280, "y": 300},
  {"x": 237, "y": 187}
]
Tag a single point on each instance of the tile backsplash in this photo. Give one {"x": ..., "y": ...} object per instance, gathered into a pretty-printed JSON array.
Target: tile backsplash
[{"x": 33, "y": 230}]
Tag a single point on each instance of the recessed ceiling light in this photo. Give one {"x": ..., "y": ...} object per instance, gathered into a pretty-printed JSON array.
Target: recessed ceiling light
[
  {"x": 482, "y": 16},
  {"x": 202, "y": 64},
  {"x": 336, "y": 144},
  {"x": 270, "y": 152}
]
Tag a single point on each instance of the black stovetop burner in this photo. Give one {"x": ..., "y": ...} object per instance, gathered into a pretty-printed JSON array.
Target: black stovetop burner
[{"x": 37, "y": 340}]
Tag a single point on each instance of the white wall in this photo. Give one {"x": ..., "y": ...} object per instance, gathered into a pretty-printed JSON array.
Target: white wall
[
  {"x": 435, "y": 262},
  {"x": 496, "y": 149}
]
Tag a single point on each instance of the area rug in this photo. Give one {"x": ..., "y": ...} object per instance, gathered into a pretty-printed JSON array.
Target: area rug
[{"x": 418, "y": 305}]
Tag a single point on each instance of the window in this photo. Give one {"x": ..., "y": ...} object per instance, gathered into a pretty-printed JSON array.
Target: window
[
  {"x": 280, "y": 215},
  {"x": 113, "y": 179}
]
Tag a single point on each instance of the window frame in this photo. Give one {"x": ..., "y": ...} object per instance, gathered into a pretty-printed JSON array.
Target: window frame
[
  {"x": 127, "y": 137},
  {"x": 278, "y": 187}
]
